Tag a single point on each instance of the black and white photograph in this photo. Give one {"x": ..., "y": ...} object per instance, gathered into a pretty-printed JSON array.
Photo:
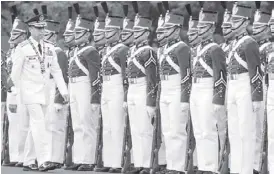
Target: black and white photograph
[{"x": 137, "y": 87}]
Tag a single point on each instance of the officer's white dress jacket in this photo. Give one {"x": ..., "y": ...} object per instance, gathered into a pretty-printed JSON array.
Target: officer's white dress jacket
[{"x": 26, "y": 72}]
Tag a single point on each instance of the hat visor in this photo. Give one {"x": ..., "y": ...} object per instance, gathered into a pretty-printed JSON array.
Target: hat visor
[
  {"x": 37, "y": 24},
  {"x": 68, "y": 33},
  {"x": 137, "y": 28},
  {"x": 226, "y": 25},
  {"x": 109, "y": 29}
]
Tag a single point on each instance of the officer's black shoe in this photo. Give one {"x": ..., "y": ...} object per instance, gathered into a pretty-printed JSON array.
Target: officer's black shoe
[
  {"x": 32, "y": 167},
  {"x": 102, "y": 169},
  {"x": 11, "y": 164},
  {"x": 164, "y": 171},
  {"x": 175, "y": 172},
  {"x": 255, "y": 171},
  {"x": 46, "y": 166},
  {"x": 58, "y": 165},
  {"x": 145, "y": 171},
  {"x": 115, "y": 170},
  {"x": 19, "y": 165},
  {"x": 135, "y": 170},
  {"x": 86, "y": 167},
  {"x": 72, "y": 167}
]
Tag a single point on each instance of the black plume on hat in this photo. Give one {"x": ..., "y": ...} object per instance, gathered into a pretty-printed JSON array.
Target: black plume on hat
[
  {"x": 36, "y": 12},
  {"x": 201, "y": 4},
  {"x": 96, "y": 11},
  {"x": 13, "y": 18},
  {"x": 104, "y": 6},
  {"x": 160, "y": 8},
  {"x": 258, "y": 4},
  {"x": 166, "y": 5},
  {"x": 223, "y": 4},
  {"x": 77, "y": 8},
  {"x": 14, "y": 10},
  {"x": 135, "y": 6},
  {"x": 188, "y": 9},
  {"x": 70, "y": 12},
  {"x": 125, "y": 9},
  {"x": 44, "y": 9}
]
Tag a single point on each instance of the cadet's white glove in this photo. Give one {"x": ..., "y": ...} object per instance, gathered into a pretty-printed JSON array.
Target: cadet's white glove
[
  {"x": 66, "y": 98},
  {"x": 58, "y": 107},
  {"x": 95, "y": 107},
  {"x": 125, "y": 106},
  {"x": 256, "y": 106},
  {"x": 13, "y": 90},
  {"x": 184, "y": 106},
  {"x": 218, "y": 108},
  {"x": 151, "y": 113}
]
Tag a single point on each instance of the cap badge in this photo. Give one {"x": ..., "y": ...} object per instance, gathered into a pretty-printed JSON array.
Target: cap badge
[
  {"x": 191, "y": 23},
  {"x": 226, "y": 17},
  {"x": 235, "y": 9},
  {"x": 41, "y": 18},
  {"x": 257, "y": 16},
  {"x": 108, "y": 20},
  {"x": 125, "y": 23},
  {"x": 97, "y": 24},
  {"x": 167, "y": 17},
  {"x": 137, "y": 20},
  {"x": 201, "y": 15},
  {"x": 15, "y": 24}
]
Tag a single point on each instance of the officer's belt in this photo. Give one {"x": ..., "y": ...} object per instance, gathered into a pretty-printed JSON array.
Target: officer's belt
[
  {"x": 136, "y": 80},
  {"x": 79, "y": 79},
  {"x": 271, "y": 76},
  {"x": 203, "y": 80},
  {"x": 110, "y": 59},
  {"x": 237, "y": 76},
  {"x": 135, "y": 61},
  {"x": 202, "y": 62}
]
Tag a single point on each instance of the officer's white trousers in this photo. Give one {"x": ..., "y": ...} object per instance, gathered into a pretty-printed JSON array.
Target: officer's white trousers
[
  {"x": 241, "y": 126},
  {"x": 204, "y": 124},
  {"x": 29, "y": 150},
  {"x": 84, "y": 122},
  {"x": 37, "y": 113},
  {"x": 14, "y": 129},
  {"x": 3, "y": 105},
  {"x": 270, "y": 131},
  {"x": 55, "y": 126},
  {"x": 140, "y": 123},
  {"x": 173, "y": 122},
  {"x": 259, "y": 133},
  {"x": 113, "y": 120}
]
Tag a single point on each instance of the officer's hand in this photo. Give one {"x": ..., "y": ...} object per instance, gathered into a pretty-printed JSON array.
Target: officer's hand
[
  {"x": 58, "y": 107},
  {"x": 256, "y": 106},
  {"x": 218, "y": 108},
  {"x": 13, "y": 108},
  {"x": 95, "y": 107},
  {"x": 66, "y": 98},
  {"x": 184, "y": 106},
  {"x": 151, "y": 111},
  {"x": 125, "y": 106}
]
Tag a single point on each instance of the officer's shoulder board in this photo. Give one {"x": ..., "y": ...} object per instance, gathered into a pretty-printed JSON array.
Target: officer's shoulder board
[{"x": 23, "y": 44}]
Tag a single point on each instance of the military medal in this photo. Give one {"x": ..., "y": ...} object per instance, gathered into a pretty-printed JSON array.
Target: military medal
[{"x": 41, "y": 59}]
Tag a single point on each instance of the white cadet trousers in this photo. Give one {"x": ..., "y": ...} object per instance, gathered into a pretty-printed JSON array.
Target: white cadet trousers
[
  {"x": 14, "y": 129},
  {"x": 173, "y": 122},
  {"x": 204, "y": 122},
  {"x": 241, "y": 125},
  {"x": 113, "y": 120},
  {"x": 270, "y": 131},
  {"x": 140, "y": 123},
  {"x": 55, "y": 126},
  {"x": 37, "y": 113},
  {"x": 84, "y": 122}
]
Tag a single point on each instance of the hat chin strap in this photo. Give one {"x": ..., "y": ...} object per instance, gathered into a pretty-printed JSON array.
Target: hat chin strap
[
  {"x": 48, "y": 38},
  {"x": 200, "y": 34},
  {"x": 239, "y": 25},
  {"x": 123, "y": 40},
  {"x": 81, "y": 35},
  {"x": 111, "y": 35},
  {"x": 191, "y": 41},
  {"x": 257, "y": 33},
  {"x": 15, "y": 38},
  {"x": 140, "y": 35},
  {"x": 174, "y": 29}
]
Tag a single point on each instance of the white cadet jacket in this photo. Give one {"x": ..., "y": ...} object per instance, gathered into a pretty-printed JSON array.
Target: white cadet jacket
[{"x": 26, "y": 72}]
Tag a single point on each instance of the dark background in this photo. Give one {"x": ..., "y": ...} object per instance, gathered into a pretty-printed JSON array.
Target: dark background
[{"x": 58, "y": 11}]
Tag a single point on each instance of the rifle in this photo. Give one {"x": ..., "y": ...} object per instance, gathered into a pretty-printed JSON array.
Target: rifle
[
  {"x": 127, "y": 146},
  {"x": 5, "y": 158},
  {"x": 190, "y": 147},
  {"x": 69, "y": 139},
  {"x": 263, "y": 166},
  {"x": 225, "y": 150},
  {"x": 99, "y": 143},
  {"x": 157, "y": 137}
]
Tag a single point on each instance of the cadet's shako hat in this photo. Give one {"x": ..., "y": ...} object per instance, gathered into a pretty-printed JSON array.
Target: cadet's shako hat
[
  {"x": 82, "y": 23},
  {"x": 271, "y": 21},
  {"x": 128, "y": 22},
  {"x": 241, "y": 10},
  {"x": 18, "y": 25},
  {"x": 99, "y": 22},
  {"x": 173, "y": 16},
  {"x": 114, "y": 18},
  {"x": 161, "y": 19},
  {"x": 193, "y": 21},
  {"x": 51, "y": 25},
  {"x": 142, "y": 20},
  {"x": 70, "y": 24},
  {"x": 207, "y": 15},
  {"x": 38, "y": 20},
  {"x": 262, "y": 14},
  {"x": 227, "y": 16}
]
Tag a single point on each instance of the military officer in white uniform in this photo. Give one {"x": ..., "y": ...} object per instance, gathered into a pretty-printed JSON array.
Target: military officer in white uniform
[
  {"x": 35, "y": 61},
  {"x": 270, "y": 101},
  {"x": 262, "y": 34},
  {"x": 245, "y": 91}
]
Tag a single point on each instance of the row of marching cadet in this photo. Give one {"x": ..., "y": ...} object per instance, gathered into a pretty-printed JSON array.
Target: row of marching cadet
[{"x": 110, "y": 102}]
